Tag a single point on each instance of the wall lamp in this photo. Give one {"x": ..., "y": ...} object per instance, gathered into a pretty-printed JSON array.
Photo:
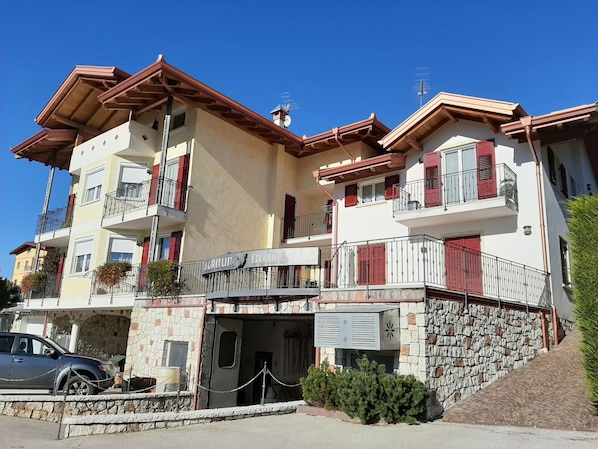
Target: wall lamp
[{"x": 527, "y": 230}]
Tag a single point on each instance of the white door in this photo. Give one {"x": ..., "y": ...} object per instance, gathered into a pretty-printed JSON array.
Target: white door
[{"x": 226, "y": 361}]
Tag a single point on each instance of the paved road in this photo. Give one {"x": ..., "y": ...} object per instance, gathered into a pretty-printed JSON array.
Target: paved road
[{"x": 299, "y": 431}]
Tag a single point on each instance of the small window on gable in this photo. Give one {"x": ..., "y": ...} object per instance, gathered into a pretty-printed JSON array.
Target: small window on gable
[{"x": 178, "y": 120}]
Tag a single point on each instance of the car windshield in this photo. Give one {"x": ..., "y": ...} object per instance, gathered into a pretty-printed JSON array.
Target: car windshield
[{"x": 57, "y": 346}]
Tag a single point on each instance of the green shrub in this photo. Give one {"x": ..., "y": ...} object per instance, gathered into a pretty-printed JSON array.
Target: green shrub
[
  {"x": 319, "y": 387},
  {"x": 583, "y": 226},
  {"x": 367, "y": 393},
  {"x": 403, "y": 399},
  {"x": 162, "y": 276}
]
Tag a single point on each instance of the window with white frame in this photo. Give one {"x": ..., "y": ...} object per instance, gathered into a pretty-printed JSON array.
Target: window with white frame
[
  {"x": 93, "y": 185},
  {"x": 175, "y": 353},
  {"x": 131, "y": 181},
  {"x": 565, "y": 262},
  {"x": 372, "y": 191},
  {"x": 122, "y": 249},
  {"x": 82, "y": 256}
]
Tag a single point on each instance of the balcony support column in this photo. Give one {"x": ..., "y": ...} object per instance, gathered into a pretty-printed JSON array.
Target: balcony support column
[
  {"x": 74, "y": 336},
  {"x": 153, "y": 252},
  {"x": 38, "y": 245}
]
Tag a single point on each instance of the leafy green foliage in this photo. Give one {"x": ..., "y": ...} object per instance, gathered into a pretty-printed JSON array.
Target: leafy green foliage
[
  {"x": 111, "y": 273},
  {"x": 583, "y": 226},
  {"x": 34, "y": 282},
  {"x": 367, "y": 393},
  {"x": 9, "y": 293}
]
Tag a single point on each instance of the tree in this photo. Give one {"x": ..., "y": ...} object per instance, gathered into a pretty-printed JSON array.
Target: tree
[
  {"x": 583, "y": 225},
  {"x": 10, "y": 293}
]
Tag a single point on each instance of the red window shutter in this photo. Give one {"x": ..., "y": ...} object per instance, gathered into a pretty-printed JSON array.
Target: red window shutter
[
  {"x": 371, "y": 261},
  {"x": 350, "y": 195},
  {"x": 486, "y": 170},
  {"x": 154, "y": 185},
  {"x": 175, "y": 246},
  {"x": 389, "y": 182},
  {"x": 144, "y": 260},
  {"x": 182, "y": 180},
  {"x": 432, "y": 193},
  {"x": 70, "y": 207},
  {"x": 59, "y": 271}
]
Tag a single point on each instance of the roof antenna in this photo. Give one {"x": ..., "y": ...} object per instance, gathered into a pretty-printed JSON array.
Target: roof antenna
[
  {"x": 422, "y": 86},
  {"x": 280, "y": 113}
]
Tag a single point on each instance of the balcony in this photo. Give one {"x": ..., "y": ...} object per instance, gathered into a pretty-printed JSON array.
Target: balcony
[
  {"x": 54, "y": 227},
  {"x": 131, "y": 139},
  {"x": 133, "y": 206},
  {"x": 418, "y": 261},
  {"x": 311, "y": 227},
  {"x": 47, "y": 290},
  {"x": 457, "y": 197}
]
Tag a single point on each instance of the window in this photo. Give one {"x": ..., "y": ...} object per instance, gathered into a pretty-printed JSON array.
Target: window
[
  {"x": 93, "y": 185},
  {"x": 131, "y": 181},
  {"x": 227, "y": 350},
  {"x": 6, "y": 342},
  {"x": 18, "y": 265},
  {"x": 175, "y": 353},
  {"x": 164, "y": 247},
  {"x": 122, "y": 249},
  {"x": 82, "y": 256},
  {"x": 373, "y": 191},
  {"x": 178, "y": 120},
  {"x": 26, "y": 264},
  {"x": 562, "y": 181},
  {"x": 565, "y": 262}
]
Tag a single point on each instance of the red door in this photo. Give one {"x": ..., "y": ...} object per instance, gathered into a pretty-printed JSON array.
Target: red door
[
  {"x": 432, "y": 184},
  {"x": 464, "y": 264},
  {"x": 289, "y": 217}
]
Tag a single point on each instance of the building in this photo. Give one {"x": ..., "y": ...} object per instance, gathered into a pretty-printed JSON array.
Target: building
[
  {"x": 426, "y": 247},
  {"x": 25, "y": 261}
]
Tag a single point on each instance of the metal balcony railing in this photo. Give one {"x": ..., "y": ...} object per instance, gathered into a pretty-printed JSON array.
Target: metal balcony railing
[
  {"x": 424, "y": 260},
  {"x": 54, "y": 220},
  {"x": 457, "y": 188},
  {"x": 49, "y": 287},
  {"x": 406, "y": 262},
  {"x": 307, "y": 225},
  {"x": 137, "y": 196}
]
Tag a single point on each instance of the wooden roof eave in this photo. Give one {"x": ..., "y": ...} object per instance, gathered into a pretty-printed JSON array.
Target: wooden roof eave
[
  {"x": 48, "y": 142},
  {"x": 190, "y": 91},
  {"x": 365, "y": 168}
]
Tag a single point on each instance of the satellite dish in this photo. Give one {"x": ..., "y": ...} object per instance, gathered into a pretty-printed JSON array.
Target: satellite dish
[{"x": 287, "y": 121}]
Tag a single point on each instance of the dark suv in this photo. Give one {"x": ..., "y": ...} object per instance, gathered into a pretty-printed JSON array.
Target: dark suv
[{"x": 37, "y": 363}]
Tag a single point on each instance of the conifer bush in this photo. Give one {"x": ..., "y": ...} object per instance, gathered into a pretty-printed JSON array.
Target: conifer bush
[
  {"x": 367, "y": 393},
  {"x": 583, "y": 226}
]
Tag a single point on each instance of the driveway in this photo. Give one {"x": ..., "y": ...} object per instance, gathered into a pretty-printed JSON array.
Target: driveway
[{"x": 299, "y": 431}]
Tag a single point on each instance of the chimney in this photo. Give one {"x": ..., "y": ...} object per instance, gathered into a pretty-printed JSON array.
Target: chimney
[{"x": 280, "y": 116}]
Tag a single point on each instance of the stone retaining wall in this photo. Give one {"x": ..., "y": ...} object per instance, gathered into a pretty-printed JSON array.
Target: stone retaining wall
[
  {"x": 470, "y": 346},
  {"x": 101, "y": 424},
  {"x": 49, "y": 408}
]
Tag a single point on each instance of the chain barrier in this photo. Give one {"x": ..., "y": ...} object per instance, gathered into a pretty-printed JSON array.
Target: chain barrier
[
  {"x": 234, "y": 389},
  {"x": 282, "y": 383},
  {"x": 28, "y": 378}
]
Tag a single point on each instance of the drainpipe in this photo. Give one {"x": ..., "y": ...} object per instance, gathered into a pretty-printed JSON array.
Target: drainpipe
[
  {"x": 202, "y": 322},
  {"x": 335, "y": 132},
  {"x": 527, "y": 124}
]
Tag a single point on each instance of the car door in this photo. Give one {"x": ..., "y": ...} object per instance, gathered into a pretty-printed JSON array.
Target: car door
[
  {"x": 6, "y": 344},
  {"x": 33, "y": 366}
]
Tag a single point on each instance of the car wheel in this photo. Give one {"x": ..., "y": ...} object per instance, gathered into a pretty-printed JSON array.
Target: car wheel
[{"x": 79, "y": 385}]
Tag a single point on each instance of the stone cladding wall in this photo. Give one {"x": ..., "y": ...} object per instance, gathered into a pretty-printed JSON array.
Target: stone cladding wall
[
  {"x": 470, "y": 346},
  {"x": 49, "y": 408}
]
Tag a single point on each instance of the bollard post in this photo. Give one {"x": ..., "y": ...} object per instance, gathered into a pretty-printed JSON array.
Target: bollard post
[{"x": 263, "y": 400}]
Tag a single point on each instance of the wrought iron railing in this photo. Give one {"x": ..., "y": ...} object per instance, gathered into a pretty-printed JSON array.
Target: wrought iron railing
[
  {"x": 457, "y": 188},
  {"x": 54, "y": 220},
  {"x": 406, "y": 262},
  {"x": 424, "y": 260},
  {"x": 307, "y": 225},
  {"x": 49, "y": 287},
  {"x": 132, "y": 197}
]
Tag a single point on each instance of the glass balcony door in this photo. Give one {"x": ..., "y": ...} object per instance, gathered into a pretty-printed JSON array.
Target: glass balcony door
[{"x": 460, "y": 176}]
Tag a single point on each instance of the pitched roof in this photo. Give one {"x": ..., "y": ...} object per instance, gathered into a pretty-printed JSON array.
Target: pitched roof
[{"x": 446, "y": 107}]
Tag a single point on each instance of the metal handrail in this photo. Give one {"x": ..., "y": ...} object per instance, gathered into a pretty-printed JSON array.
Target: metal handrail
[
  {"x": 307, "y": 225},
  {"x": 53, "y": 220}
]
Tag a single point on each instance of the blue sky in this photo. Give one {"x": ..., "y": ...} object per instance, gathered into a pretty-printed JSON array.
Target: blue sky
[{"x": 340, "y": 61}]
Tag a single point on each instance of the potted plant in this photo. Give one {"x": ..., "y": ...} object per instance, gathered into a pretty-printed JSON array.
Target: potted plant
[
  {"x": 34, "y": 282},
  {"x": 111, "y": 273},
  {"x": 162, "y": 276}
]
